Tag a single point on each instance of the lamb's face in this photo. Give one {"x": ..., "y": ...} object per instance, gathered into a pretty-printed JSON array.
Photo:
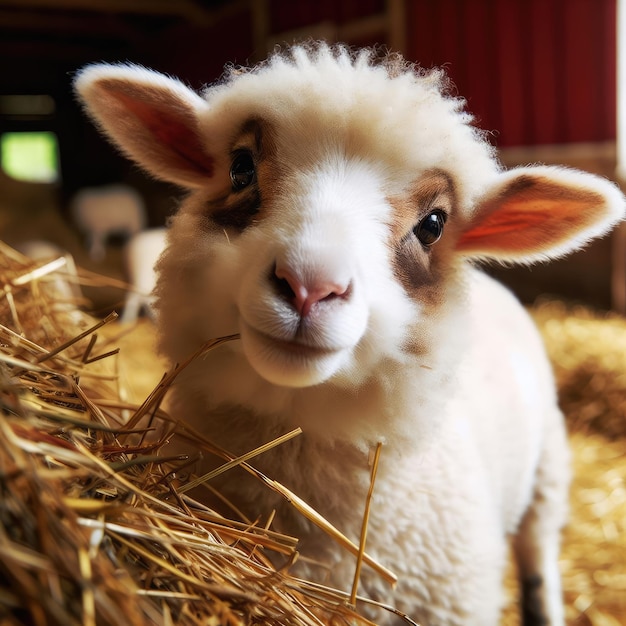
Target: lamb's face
[
  {"x": 332, "y": 202},
  {"x": 323, "y": 260}
]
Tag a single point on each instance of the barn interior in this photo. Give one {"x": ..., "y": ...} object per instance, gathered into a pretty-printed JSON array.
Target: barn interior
[{"x": 540, "y": 75}]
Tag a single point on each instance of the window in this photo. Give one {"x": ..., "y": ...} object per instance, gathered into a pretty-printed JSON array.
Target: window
[
  {"x": 30, "y": 156},
  {"x": 28, "y": 149}
]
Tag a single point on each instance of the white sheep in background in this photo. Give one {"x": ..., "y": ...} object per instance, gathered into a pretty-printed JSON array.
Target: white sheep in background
[
  {"x": 100, "y": 212},
  {"x": 337, "y": 204},
  {"x": 141, "y": 254}
]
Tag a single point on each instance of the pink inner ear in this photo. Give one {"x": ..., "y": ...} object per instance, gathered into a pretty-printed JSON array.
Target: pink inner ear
[
  {"x": 520, "y": 226},
  {"x": 173, "y": 128}
]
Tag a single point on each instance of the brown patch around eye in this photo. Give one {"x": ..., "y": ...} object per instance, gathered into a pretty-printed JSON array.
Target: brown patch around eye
[
  {"x": 433, "y": 190},
  {"x": 240, "y": 208},
  {"x": 258, "y": 137},
  {"x": 239, "y": 214},
  {"x": 415, "y": 265}
]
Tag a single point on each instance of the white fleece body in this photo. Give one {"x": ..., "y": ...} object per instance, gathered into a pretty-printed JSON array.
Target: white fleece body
[
  {"x": 335, "y": 208},
  {"x": 445, "y": 498}
]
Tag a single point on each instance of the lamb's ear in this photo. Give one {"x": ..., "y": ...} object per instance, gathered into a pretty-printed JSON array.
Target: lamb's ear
[
  {"x": 536, "y": 213},
  {"x": 152, "y": 118}
]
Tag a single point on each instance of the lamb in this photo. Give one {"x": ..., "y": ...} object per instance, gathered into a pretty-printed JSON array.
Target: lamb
[
  {"x": 141, "y": 254},
  {"x": 338, "y": 204},
  {"x": 100, "y": 212}
]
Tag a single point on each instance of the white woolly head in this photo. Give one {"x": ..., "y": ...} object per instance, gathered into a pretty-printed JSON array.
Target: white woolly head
[
  {"x": 380, "y": 108},
  {"x": 334, "y": 200}
]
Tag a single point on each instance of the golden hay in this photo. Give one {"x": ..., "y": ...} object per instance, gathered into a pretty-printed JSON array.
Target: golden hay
[
  {"x": 96, "y": 529},
  {"x": 588, "y": 352}
]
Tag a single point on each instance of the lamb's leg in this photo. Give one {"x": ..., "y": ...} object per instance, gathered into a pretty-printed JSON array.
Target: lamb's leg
[
  {"x": 538, "y": 541},
  {"x": 132, "y": 307},
  {"x": 537, "y": 555}
]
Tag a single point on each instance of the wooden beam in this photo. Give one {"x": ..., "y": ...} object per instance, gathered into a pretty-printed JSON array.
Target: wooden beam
[
  {"x": 396, "y": 18},
  {"x": 259, "y": 10},
  {"x": 362, "y": 28},
  {"x": 32, "y": 23},
  {"x": 183, "y": 8}
]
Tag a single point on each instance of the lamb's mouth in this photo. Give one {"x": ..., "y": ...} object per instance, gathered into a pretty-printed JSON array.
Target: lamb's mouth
[
  {"x": 291, "y": 348},
  {"x": 289, "y": 363}
]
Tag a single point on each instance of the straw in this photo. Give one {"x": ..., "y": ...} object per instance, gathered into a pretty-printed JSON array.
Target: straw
[{"x": 92, "y": 528}]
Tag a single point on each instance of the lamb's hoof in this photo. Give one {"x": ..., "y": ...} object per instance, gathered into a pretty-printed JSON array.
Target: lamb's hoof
[{"x": 533, "y": 613}]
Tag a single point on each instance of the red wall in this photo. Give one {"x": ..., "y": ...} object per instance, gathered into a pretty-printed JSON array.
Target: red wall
[{"x": 534, "y": 71}]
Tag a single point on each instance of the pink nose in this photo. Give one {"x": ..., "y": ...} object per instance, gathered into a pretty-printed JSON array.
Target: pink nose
[{"x": 305, "y": 294}]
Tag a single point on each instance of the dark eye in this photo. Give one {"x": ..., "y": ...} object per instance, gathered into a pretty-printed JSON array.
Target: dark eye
[
  {"x": 242, "y": 171},
  {"x": 430, "y": 229}
]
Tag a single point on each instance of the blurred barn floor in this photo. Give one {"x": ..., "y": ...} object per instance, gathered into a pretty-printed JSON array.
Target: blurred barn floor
[{"x": 589, "y": 356}]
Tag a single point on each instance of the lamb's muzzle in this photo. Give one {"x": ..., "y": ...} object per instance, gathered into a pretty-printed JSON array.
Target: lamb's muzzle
[
  {"x": 308, "y": 292},
  {"x": 293, "y": 327}
]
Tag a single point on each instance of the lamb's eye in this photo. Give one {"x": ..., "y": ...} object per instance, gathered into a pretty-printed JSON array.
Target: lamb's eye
[
  {"x": 242, "y": 171},
  {"x": 430, "y": 229}
]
